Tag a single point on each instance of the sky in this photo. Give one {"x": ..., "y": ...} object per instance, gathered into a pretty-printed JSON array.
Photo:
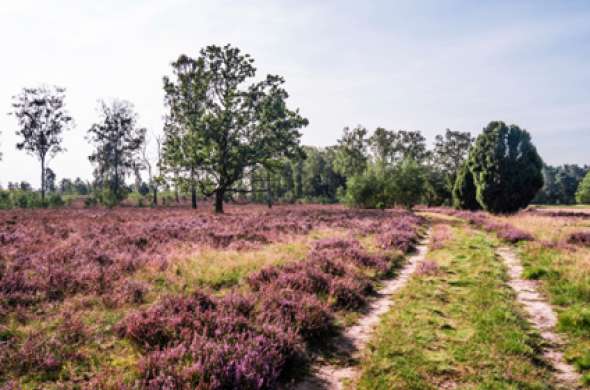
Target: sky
[{"x": 413, "y": 65}]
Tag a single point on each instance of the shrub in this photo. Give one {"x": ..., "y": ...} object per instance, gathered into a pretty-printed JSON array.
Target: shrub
[
  {"x": 583, "y": 192},
  {"x": 506, "y": 168},
  {"x": 579, "y": 238}
]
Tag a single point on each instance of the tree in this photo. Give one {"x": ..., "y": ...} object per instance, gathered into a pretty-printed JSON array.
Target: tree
[
  {"x": 450, "y": 152},
  {"x": 186, "y": 97},
  {"x": 382, "y": 147},
  {"x": 229, "y": 128},
  {"x": 351, "y": 152},
  {"x": 506, "y": 168},
  {"x": 50, "y": 180},
  {"x": 367, "y": 190},
  {"x": 153, "y": 166},
  {"x": 407, "y": 181},
  {"x": 464, "y": 191},
  {"x": 42, "y": 117},
  {"x": 390, "y": 148},
  {"x": 117, "y": 140},
  {"x": 81, "y": 187},
  {"x": 583, "y": 193}
]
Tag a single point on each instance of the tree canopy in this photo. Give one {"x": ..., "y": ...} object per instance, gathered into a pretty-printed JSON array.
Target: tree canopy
[
  {"x": 506, "y": 168},
  {"x": 224, "y": 125},
  {"x": 42, "y": 118},
  {"x": 583, "y": 193},
  {"x": 117, "y": 140}
]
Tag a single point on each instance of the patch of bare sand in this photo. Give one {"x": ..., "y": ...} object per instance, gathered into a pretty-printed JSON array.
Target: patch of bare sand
[
  {"x": 350, "y": 345},
  {"x": 542, "y": 317}
]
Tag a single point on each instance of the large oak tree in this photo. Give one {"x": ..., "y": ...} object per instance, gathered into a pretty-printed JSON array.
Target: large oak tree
[{"x": 225, "y": 125}]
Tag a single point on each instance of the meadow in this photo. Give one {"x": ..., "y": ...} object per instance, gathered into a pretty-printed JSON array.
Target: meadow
[{"x": 173, "y": 298}]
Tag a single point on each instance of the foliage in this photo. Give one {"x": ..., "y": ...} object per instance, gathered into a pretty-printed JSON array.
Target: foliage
[
  {"x": 449, "y": 154},
  {"x": 117, "y": 140},
  {"x": 42, "y": 117},
  {"x": 506, "y": 168},
  {"x": 402, "y": 185},
  {"x": 351, "y": 152},
  {"x": 583, "y": 193},
  {"x": 227, "y": 127},
  {"x": 407, "y": 183},
  {"x": 560, "y": 184},
  {"x": 464, "y": 191},
  {"x": 367, "y": 191}
]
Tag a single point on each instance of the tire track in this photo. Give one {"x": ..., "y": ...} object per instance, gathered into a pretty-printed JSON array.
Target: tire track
[
  {"x": 351, "y": 343},
  {"x": 542, "y": 317}
]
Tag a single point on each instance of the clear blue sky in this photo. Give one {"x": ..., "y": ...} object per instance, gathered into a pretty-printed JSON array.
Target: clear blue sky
[{"x": 418, "y": 65}]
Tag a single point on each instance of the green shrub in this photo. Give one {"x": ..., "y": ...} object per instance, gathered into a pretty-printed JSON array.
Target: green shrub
[
  {"x": 583, "y": 193},
  {"x": 6, "y": 200},
  {"x": 55, "y": 200}
]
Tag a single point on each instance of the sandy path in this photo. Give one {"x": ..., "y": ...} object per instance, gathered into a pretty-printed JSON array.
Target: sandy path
[
  {"x": 542, "y": 316},
  {"x": 350, "y": 345}
]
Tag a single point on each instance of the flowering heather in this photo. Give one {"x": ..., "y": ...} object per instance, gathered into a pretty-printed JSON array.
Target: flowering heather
[
  {"x": 579, "y": 238},
  {"x": 484, "y": 221},
  {"x": 427, "y": 267},
  {"x": 54, "y": 261},
  {"x": 440, "y": 235}
]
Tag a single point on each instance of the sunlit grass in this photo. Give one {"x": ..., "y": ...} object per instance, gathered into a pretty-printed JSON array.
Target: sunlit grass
[{"x": 460, "y": 328}]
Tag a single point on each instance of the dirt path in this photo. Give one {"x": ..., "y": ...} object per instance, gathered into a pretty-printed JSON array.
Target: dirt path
[
  {"x": 542, "y": 316},
  {"x": 349, "y": 346}
]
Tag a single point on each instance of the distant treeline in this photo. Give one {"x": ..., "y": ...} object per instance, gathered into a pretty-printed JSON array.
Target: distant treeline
[
  {"x": 561, "y": 184},
  {"x": 228, "y": 137}
]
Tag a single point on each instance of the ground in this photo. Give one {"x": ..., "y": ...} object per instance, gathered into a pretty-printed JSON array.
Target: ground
[{"x": 256, "y": 298}]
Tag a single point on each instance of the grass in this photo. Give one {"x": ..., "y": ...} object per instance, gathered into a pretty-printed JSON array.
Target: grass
[
  {"x": 459, "y": 327},
  {"x": 102, "y": 351},
  {"x": 564, "y": 274},
  {"x": 220, "y": 269}
]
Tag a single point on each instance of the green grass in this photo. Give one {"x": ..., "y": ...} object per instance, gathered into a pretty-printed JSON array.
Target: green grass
[
  {"x": 565, "y": 279},
  {"x": 460, "y": 327}
]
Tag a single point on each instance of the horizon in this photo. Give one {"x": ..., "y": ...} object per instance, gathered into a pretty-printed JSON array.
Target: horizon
[{"x": 400, "y": 66}]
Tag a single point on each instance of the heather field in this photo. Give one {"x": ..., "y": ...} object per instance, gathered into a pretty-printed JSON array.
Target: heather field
[
  {"x": 293, "y": 297},
  {"x": 177, "y": 298}
]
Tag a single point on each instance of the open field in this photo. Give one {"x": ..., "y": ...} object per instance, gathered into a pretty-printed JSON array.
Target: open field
[
  {"x": 173, "y": 298},
  {"x": 256, "y": 298}
]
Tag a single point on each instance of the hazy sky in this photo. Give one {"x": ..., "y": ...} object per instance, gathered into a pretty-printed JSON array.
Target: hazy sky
[{"x": 416, "y": 65}]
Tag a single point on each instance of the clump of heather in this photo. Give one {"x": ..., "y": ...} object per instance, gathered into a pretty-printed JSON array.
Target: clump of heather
[
  {"x": 241, "y": 340},
  {"x": 427, "y": 267},
  {"x": 482, "y": 220},
  {"x": 579, "y": 238},
  {"x": 441, "y": 234}
]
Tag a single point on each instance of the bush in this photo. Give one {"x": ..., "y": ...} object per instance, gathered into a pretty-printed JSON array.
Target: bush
[
  {"x": 583, "y": 193},
  {"x": 506, "y": 168},
  {"x": 6, "y": 200},
  {"x": 55, "y": 200},
  {"x": 366, "y": 191}
]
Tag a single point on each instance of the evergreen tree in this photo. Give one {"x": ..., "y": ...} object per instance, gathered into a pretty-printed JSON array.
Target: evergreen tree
[
  {"x": 464, "y": 191},
  {"x": 506, "y": 168}
]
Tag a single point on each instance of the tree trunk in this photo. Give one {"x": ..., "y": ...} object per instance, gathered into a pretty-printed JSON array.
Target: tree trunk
[
  {"x": 219, "y": 201},
  {"x": 193, "y": 196},
  {"x": 155, "y": 197},
  {"x": 43, "y": 180},
  {"x": 268, "y": 191}
]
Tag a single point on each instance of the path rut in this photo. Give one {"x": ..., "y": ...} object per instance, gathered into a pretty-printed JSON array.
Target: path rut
[
  {"x": 542, "y": 317},
  {"x": 354, "y": 339}
]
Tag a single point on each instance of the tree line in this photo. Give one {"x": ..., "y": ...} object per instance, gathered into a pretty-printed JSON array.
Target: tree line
[{"x": 228, "y": 136}]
